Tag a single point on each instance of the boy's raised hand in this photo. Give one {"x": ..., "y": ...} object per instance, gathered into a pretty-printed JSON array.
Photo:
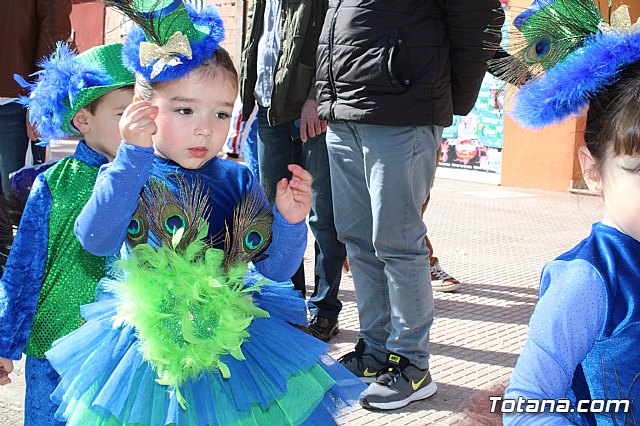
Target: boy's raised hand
[
  {"x": 137, "y": 124},
  {"x": 6, "y": 367},
  {"x": 293, "y": 197}
]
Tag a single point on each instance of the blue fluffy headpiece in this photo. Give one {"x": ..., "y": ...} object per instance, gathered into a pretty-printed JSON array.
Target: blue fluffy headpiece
[
  {"x": 566, "y": 89},
  {"x": 203, "y": 43},
  {"x": 68, "y": 82},
  {"x": 569, "y": 54}
]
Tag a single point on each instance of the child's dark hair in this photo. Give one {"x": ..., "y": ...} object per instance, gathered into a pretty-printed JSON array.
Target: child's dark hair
[
  {"x": 613, "y": 120},
  {"x": 219, "y": 62}
]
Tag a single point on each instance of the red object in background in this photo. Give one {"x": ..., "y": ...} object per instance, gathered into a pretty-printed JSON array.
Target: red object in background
[
  {"x": 466, "y": 150},
  {"x": 87, "y": 23}
]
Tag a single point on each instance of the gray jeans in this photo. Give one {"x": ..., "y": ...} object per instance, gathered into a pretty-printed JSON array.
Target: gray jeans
[{"x": 380, "y": 178}]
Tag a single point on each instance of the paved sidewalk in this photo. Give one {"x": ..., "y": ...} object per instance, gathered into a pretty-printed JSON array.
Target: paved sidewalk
[{"x": 495, "y": 240}]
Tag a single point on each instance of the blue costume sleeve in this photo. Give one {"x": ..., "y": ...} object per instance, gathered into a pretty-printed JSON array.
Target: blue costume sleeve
[
  {"x": 24, "y": 272},
  {"x": 285, "y": 253},
  {"x": 102, "y": 225},
  {"x": 564, "y": 326}
]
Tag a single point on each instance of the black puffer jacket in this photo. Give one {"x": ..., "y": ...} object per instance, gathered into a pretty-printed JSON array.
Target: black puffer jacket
[{"x": 404, "y": 62}]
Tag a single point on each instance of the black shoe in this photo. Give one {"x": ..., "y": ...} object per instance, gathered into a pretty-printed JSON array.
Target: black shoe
[
  {"x": 364, "y": 366},
  {"x": 323, "y": 328}
]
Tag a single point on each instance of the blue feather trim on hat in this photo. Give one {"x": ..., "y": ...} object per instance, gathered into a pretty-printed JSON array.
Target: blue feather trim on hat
[
  {"x": 53, "y": 94},
  {"x": 565, "y": 89},
  {"x": 207, "y": 21}
]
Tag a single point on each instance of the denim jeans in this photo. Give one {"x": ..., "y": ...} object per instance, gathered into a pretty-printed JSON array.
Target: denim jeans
[
  {"x": 381, "y": 176},
  {"x": 279, "y": 146},
  {"x": 14, "y": 142}
]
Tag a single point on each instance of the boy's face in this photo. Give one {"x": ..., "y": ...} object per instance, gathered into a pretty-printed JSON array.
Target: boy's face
[
  {"x": 103, "y": 134},
  {"x": 193, "y": 118}
]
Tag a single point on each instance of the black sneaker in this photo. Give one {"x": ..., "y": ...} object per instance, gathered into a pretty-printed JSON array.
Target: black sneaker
[
  {"x": 364, "y": 366},
  {"x": 399, "y": 384},
  {"x": 323, "y": 328}
]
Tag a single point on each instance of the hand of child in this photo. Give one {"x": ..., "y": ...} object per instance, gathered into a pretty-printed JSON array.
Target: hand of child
[
  {"x": 137, "y": 124},
  {"x": 293, "y": 197},
  {"x": 6, "y": 367}
]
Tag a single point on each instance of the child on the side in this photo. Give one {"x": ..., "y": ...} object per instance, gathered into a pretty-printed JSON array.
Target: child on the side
[
  {"x": 48, "y": 274},
  {"x": 583, "y": 346},
  {"x": 267, "y": 371}
]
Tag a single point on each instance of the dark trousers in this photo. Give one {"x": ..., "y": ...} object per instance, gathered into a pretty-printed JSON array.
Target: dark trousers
[
  {"x": 279, "y": 146},
  {"x": 14, "y": 142}
]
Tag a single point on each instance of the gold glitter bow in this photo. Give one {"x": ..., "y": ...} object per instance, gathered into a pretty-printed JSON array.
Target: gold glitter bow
[
  {"x": 167, "y": 55},
  {"x": 620, "y": 22}
]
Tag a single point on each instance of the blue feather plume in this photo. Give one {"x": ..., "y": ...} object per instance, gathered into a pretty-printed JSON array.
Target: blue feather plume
[
  {"x": 204, "y": 20},
  {"x": 565, "y": 89},
  {"x": 56, "y": 87}
]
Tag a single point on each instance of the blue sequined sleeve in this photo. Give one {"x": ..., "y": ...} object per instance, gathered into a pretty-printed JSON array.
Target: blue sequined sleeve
[
  {"x": 102, "y": 225},
  {"x": 24, "y": 272}
]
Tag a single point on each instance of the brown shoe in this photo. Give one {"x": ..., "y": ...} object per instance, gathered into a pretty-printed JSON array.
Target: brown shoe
[
  {"x": 323, "y": 328},
  {"x": 441, "y": 281}
]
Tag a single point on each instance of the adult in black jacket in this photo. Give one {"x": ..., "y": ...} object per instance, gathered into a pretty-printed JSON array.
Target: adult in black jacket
[{"x": 390, "y": 75}]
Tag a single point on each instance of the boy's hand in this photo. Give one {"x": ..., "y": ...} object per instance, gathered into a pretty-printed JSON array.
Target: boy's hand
[
  {"x": 6, "y": 367},
  {"x": 293, "y": 198},
  {"x": 137, "y": 124}
]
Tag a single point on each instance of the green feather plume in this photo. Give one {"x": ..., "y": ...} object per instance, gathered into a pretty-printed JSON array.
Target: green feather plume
[{"x": 546, "y": 37}]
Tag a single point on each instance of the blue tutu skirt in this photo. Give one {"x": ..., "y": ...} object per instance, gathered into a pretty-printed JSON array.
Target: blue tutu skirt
[{"x": 286, "y": 379}]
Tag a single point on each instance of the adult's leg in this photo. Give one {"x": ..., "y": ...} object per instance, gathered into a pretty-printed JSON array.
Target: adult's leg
[
  {"x": 399, "y": 184},
  {"x": 329, "y": 252},
  {"x": 13, "y": 141},
  {"x": 277, "y": 148},
  {"x": 354, "y": 224}
]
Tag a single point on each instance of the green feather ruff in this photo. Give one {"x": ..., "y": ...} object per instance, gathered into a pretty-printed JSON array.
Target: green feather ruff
[{"x": 187, "y": 308}]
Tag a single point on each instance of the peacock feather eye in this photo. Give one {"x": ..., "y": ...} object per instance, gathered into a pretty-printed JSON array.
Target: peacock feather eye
[
  {"x": 138, "y": 229},
  {"x": 174, "y": 222},
  {"x": 253, "y": 240}
]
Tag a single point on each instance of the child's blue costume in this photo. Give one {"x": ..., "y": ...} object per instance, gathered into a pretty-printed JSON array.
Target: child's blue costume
[
  {"x": 275, "y": 375},
  {"x": 38, "y": 303},
  {"x": 594, "y": 351}
]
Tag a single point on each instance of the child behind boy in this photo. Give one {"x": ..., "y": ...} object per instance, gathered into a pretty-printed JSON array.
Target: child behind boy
[
  {"x": 264, "y": 371},
  {"x": 48, "y": 274}
]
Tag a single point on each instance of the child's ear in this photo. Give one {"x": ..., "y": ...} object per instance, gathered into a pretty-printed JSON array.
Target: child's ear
[
  {"x": 81, "y": 121},
  {"x": 589, "y": 167}
]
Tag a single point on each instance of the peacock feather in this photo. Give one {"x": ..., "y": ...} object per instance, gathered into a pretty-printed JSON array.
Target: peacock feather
[
  {"x": 138, "y": 230},
  {"x": 169, "y": 212},
  {"x": 547, "y": 32},
  {"x": 251, "y": 231},
  {"x": 146, "y": 21}
]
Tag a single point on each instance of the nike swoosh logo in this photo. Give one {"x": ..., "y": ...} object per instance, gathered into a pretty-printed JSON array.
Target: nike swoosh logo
[
  {"x": 415, "y": 385},
  {"x": 368, "y": 373}
]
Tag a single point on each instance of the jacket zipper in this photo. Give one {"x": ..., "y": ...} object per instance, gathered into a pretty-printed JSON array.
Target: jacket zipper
[{"x": 332, "y": 83}]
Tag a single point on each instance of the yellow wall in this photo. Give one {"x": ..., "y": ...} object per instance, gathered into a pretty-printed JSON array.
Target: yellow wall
[{"x": 545, "y": 159}]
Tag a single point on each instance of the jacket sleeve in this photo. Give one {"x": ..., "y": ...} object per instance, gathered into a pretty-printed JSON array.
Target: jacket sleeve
[
  {"x": 54, "y": 19},
  {"x": 24, "y": 272},
  {"x": 102, "y": 225},
  {"x": 467, "y": 24},
  {"x": 565, "y": 324}
]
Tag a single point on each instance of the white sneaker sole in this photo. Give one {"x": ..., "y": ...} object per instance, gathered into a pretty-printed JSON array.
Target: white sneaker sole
[
  {"x": 423, "y": 393},
  {"x": 441, "y": 287}
]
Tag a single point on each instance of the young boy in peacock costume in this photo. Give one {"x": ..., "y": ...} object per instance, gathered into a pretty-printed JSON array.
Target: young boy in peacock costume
[
  {"x": 48, "y": 274},
  {"x": 184, "y": 335}
]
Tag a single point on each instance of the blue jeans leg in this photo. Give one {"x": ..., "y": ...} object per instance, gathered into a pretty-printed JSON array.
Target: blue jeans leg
[
  {"x": 13, "y": 141},
  {"x": 41, "y": 380},
  {"x": 279, "y": 146},
  {"x": 329, "y": 252},
  {"x": 381, "y": 176}
]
